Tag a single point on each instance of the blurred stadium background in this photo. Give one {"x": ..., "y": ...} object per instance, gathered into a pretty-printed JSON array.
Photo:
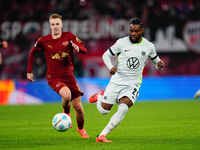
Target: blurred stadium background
[{"x": 173, "y": 25}]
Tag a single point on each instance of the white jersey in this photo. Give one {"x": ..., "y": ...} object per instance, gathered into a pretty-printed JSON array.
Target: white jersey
[{"x": 131, "y": 60}]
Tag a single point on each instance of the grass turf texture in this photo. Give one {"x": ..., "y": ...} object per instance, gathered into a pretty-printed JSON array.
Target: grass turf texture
[{"x": 160, "y": 125}]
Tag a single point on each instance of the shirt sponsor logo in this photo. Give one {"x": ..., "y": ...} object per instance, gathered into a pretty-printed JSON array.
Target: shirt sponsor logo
[
  {"x": 143, "y": 53},
  {"x": 64, "y": 54},
  {"x": 56, "y": 56},
  {"x": 59, "y": 56},
  {"x": 49, "y": 46},
  {"x": 133, "y": 63}
]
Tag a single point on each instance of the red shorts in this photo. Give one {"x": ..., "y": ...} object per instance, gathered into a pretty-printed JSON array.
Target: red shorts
[{"x": 57, "y": 84}]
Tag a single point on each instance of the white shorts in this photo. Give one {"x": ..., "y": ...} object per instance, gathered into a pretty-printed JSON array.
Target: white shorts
[{"x": 114, "y": 92}]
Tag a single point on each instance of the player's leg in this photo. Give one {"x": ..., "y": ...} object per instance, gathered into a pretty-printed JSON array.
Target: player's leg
[
  {"x": 62, "y": 89},
  {"x": 94, "y": 97},
  {"x": 77, "y": 105},
  {"x": 65, "y": 93},
  {"x": 127, "y": 96},
  {"x": 124, "y": 104},
  {"x": 67, "y": 107},
  {"x": 105, "y": 100},
  {"x": 104, "y": 105},
  {"x": 103, "y": 108}
]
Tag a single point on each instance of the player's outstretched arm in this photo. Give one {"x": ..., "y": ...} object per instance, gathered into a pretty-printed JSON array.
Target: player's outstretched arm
[
  {"x": 37, "y": 47},
  {"x": 30, "y": 76}
]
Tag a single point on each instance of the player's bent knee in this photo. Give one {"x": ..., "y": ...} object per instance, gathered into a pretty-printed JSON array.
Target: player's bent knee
[
  {"x": 130, "y": 104},
  {"x": 65, "y": 93},
  {"x": 102, "y": 110},
  {"x": 67, "y": 97},
  {"x": 127, "y": 101}
]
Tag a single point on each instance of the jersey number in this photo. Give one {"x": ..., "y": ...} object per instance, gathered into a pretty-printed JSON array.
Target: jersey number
[{"x": 135, "y": 93}]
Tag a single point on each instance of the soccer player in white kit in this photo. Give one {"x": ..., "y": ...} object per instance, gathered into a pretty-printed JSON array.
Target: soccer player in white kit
[{"x": 132, "y": 52}]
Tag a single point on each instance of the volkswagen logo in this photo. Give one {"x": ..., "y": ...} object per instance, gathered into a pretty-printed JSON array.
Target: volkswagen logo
[{"x": 133, "y": 63}]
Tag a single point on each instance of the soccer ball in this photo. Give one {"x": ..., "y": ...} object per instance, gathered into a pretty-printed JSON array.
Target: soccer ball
[{"x": 61, "y": 122}]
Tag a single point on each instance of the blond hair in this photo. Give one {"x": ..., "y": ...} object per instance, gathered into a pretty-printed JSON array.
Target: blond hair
[{"x": 54, "y": 16}]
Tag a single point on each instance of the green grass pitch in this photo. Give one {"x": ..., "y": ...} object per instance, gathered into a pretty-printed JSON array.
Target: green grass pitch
[{"x": 155, "y": 125}]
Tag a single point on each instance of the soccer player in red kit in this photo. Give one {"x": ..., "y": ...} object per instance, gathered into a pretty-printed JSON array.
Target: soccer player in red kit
[{"x": 58, "y": 49}]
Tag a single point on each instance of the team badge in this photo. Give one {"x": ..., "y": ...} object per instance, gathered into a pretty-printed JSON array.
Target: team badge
[
  {"x": 58, "y": 84},
  {"x": 56, "y": 56},
  {"x": 49, "y": 46},
  {"x": 133, "y": 63},
  {"x": 143, "y": 53},
  {"x": 65, "y": 43}
]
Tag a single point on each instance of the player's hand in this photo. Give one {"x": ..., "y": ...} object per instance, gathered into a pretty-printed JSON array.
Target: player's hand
[
  {"x": 113, "y": 70},
  {"x": 75, "y": 46},
  {"x": 4, "y": 44},
  {"x": 30, "y": 77},
  {"x": 160, "y": 65}
]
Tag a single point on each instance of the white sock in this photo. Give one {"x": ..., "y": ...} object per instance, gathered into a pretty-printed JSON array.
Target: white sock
[
  {"x": 115, "y": 119},
  {"x": 99, "y": 107}
]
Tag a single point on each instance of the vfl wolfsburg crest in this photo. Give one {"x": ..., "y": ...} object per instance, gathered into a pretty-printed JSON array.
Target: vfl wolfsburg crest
[
  {"x": 143, "y": 53},
  {"x": 133, "y": 63}
]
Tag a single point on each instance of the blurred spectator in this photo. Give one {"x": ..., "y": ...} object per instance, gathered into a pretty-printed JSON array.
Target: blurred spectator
[
  {"x": 156, "y": 14},
  {"x": 3, "y": 44}
]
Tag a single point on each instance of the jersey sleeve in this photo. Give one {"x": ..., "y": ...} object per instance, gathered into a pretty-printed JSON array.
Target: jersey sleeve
[
  {"x": 36, "y": 47},
  {"x": 115, "y": 48},
  {"x": 79, "y": 43},
  {"x": 153, "y": 54},
  {"x": 107, "y": 56}
]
